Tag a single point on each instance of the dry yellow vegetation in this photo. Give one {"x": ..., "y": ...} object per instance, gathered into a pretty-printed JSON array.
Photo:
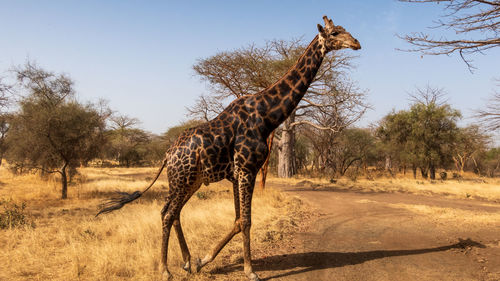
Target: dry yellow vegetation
[
  {"x": 470, "y": 186},
  {"x": 68, "y": 243}
]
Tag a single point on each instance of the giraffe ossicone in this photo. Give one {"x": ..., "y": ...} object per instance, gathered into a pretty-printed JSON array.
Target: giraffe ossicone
[{"x": 233, "y": 146}]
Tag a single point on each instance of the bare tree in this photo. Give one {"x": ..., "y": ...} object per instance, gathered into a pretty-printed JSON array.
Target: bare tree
[
  {"x": 4, "y": 128},
  {"x": 4, "y": 91},
  {"x": 490, "y": 117},
  {"x": 242, "y": 72},
  {"x": 123, "y": 122},
  {"x": 469, "y": 144},
  {"x": 476, "y": 24},
  {"x": 126, "y": 141},
  {"x": 326, "y": 122}
]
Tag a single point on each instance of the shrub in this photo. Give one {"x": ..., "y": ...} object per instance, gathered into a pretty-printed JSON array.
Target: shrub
[{"x": 14, "y": 215}]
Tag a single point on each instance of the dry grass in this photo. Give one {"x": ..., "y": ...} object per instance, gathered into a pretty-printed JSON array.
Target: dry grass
[
  {"x": 469, "y": 187},
  {"x": 453, "y": 215},
  {"x": 68, "y": 243}
]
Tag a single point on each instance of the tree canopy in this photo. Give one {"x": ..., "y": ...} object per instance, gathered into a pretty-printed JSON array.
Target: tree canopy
[
  {"x": 422, "y": 136},
  {"x": 51, "y": 131}
]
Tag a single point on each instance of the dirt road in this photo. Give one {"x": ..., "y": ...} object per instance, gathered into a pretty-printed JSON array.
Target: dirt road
[{"x": 377, "y": 236}]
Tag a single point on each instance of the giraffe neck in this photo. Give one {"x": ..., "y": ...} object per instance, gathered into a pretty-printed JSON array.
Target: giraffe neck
[{"x": 281, "y": 98}]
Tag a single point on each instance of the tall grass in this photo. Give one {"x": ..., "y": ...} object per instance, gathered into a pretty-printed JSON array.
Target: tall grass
[{"x": 68, "y": 243}]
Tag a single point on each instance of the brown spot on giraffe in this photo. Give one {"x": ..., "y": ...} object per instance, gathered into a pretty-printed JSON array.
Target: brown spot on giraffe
[{"x": 233, "y": 146}]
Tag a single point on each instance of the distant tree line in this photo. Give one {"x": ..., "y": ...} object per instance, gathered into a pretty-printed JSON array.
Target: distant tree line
[
  {"x": 47, "y": 130},
  {"x": 422, "y": 140}
]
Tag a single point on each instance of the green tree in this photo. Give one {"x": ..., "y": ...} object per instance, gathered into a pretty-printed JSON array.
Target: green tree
[
  {"x": 127, "y": 143},
  {"x": 396, "y": 142},
  {"x": 4, "y": 124},
  {"x": 492, "y": 161},
  {"x": 423, "y": 135},
  {"x": 353, "y": 147},
  {"x": 154, "y": 150},
  {"x": 51, "y": 131},
  {"x": 173, "y": 133}
]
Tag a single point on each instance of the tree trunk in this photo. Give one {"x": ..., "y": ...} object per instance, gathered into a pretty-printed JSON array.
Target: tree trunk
[
  {"x": 424, "y": 173},
  {"x": 263, "y": 170},
  {"x": 64, "y": 181},
  {"x": 414, "y": 169},
  {"x": 388, "y": 163},
  {"x": 432, "y": 170},
  {"x": 43, "y": 172},
  {"x": 286, "y": 153},
  {"x": 478, "y": 171}
]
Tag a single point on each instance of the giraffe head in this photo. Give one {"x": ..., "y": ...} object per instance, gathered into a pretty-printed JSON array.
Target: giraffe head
[{"x": 334, "y": 37}]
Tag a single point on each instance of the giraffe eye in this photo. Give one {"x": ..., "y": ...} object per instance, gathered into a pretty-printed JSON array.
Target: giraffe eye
[{"x": 335, "y": 33}]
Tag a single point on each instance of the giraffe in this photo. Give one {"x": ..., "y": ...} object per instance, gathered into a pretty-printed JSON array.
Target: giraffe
[{"x": 233, "y": 146}]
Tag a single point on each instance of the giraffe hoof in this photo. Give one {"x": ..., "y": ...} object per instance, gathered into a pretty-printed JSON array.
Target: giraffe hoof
[
  {"x": 198, "y": 264},
  {"x": 187, "y": 267},
  {"x": 253, "y": 277},
  {"x": 166, "y": 276}
]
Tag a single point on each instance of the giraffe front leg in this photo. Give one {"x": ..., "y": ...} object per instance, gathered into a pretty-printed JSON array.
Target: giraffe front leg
[{"x": 245, "y": 193}]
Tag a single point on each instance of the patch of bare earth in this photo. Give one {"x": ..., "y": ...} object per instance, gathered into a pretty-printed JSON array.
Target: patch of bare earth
[{"x": 388, "y": 236}]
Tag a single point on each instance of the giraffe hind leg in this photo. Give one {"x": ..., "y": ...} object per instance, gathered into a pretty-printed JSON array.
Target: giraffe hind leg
[
  {"x": 186, "y": 256},
  {"x": 170, "y": 213},
  {"x": 166, "y": 226}
]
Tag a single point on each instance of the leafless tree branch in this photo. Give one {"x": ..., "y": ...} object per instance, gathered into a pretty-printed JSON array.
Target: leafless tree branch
[
  {"x": 475, "y": 22},
  {"x": 490, "y": 117}
]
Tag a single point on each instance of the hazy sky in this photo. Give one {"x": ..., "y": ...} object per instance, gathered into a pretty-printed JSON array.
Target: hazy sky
[{"x": 138, "y": 55}]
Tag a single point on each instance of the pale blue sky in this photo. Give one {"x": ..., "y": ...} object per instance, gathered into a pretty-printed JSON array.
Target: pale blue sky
[{"x": 139, "y": 54}]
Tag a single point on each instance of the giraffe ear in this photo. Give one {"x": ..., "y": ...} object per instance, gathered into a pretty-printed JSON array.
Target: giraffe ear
[{"x": 320, "y": 29}]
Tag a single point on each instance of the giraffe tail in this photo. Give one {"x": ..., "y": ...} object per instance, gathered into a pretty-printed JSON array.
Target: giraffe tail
[{"x": 121, "y": 198}]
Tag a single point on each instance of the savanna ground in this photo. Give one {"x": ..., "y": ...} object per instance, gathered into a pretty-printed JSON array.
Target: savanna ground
[{"x": 302, "y": 229}]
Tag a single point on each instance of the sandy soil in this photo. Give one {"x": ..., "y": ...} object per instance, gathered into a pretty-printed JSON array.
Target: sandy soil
[{"x": 384, "y": 236}]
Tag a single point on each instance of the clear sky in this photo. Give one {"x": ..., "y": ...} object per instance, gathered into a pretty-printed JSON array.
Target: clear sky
[{"x": 138, "y": 55}]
